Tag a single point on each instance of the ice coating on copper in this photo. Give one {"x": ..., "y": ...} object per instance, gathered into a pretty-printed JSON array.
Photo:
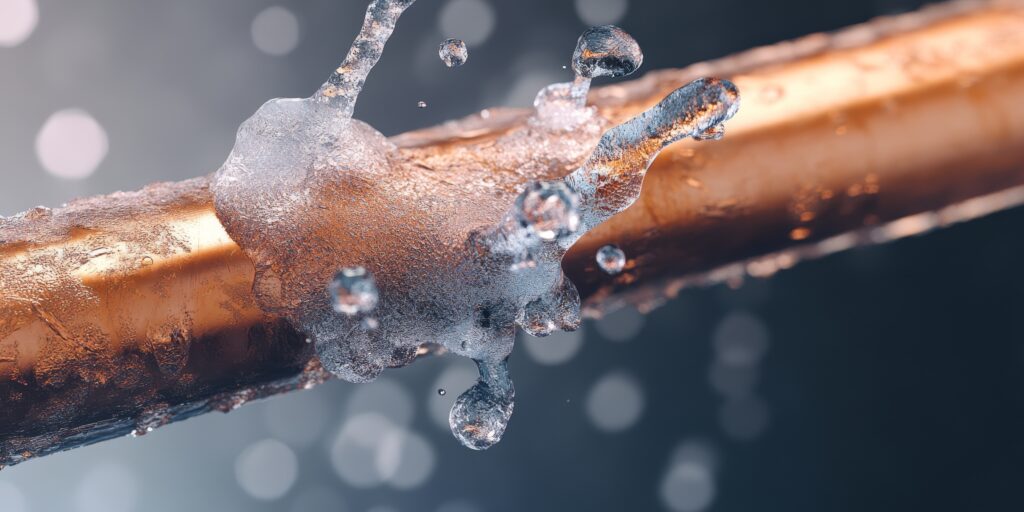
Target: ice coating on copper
[{"x": 308, "y": 191}]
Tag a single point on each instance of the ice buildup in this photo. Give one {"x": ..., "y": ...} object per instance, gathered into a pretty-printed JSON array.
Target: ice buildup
[{"x": 319, "y": 202}]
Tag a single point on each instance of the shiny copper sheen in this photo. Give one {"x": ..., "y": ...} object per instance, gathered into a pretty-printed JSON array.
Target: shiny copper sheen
[{"x": 121, "y": 313}]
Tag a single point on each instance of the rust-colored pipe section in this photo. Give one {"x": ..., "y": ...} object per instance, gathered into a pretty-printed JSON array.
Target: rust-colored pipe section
[{"x": 121, "y": 313}]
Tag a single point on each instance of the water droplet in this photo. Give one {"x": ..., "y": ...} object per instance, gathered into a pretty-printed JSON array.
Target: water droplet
[
  {"x": 442, "y": 392},
  {"x": 549, "y": 210},
  {"x": 421, "y": 104},
  {"x": 799, "y": 233},
  {"x": 611, "y": 259},
  {"x": 480, "y": 415},
  {"x": 453, "y": 52},
  {"x": 147, "y": 261},
  {"x": 606, "y": 51},
  {"x": 354, "y": 291}
]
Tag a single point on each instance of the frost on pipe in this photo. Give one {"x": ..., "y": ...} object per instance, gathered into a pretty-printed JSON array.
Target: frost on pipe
[{"x": 308, "y": 191}]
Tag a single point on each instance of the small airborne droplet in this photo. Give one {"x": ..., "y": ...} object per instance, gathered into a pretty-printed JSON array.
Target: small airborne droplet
[
  {"x": 549, "y": 209},
  {"x": 611, "y": 259},
  {"x": 422, "y": 104},
  {"x": 453, "y": 52},
  {"x": 354, "y": 291},
  {"x": 442, "y": 392}
]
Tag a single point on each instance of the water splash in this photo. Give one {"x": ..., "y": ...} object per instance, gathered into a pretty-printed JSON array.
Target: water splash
[
  {"x": 611, "y": 259},
  {"x": 600, "y": 51},
  {"x": 307, "y": 190},
  {"x": 453, "y": 52}
]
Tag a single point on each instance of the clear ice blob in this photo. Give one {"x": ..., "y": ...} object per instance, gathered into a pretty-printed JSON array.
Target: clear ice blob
[
  {"x": 548, "y": 210},
  {"x": 354, "y": 291},
  {"x": 606, "y": 51},
  {"x": 458, "y": 261},
  {"x": 480, "y": 415},
  {"x": 600, "y": 51},
  {"x": 611, "y": 259},
  {"x": 453, "y": 52}
]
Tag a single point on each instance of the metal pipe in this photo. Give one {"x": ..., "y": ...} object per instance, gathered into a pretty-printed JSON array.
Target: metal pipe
[{"x": 121, "y": 313}]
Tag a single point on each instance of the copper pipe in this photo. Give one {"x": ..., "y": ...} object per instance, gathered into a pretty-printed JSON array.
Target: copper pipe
[{"x": 105, "y": 332}]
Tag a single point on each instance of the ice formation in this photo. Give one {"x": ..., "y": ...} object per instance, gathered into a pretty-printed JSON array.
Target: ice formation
[
  {"x": 611, "y": 259},
  {"x": 308, "y": 191},
  {"x": 453, "y": 52}
]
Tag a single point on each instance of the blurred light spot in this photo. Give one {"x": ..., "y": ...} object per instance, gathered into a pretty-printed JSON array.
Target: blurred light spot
[
  {"x": 297, "y": 418},
  {"x": 266, "y": 469},
  {"x": 558, "y": 348},
  {"x": 385, "y": 397},
  {"x": 696, "y": 451},
  {"x": 317, "y": 499},
  {"x": 740, "y": 339},
  {"x": 275, "y": 31},
  {"x": 458, "y": 506},
  {"x": 688, "y": 487},
  {"x": 601, "y": 12},
  {"x": 525, "y": 88},
  {"x": 621, "y": 325},
  {"x": 11, "y": 498},
  {"x": 107, "y": 487},
  {"x": 459, "y": 376},
  {"x": 355, "y": 450},
  {"x": 469, "y": 20},
  {"x": 405, "y": 459},
  {"x": 615, "y": 402},
  {"x": 744, "y": 419},
  {"x": 71, "y": 144},
  {"x": 731, "y": 380},
  {"x": 18, "y": 19}
]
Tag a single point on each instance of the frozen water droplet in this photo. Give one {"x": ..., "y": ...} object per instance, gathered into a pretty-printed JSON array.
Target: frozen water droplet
[
  {"x": 421, "y": 104},
  {"x": 606, "y": 51},
  {"x": 442, "y": 392},
  {"x": 480, "y": 415},
  {"x": 354, "y": 291},
  {"x": 611, "y": 259},
  {"x": 453, "y": 52},
  {"x": 600, "y": 51},
  {"x": 549, "y": 210}
]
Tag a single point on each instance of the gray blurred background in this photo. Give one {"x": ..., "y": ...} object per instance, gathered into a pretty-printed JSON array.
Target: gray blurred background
[{"x": 884, "y": 378}]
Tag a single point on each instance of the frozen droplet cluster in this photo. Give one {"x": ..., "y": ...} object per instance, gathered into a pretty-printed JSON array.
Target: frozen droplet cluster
[
  {"x": 611, "y": 259},
  {"x": 453, "y": 52},
  {"x": 320, "y": 201}
]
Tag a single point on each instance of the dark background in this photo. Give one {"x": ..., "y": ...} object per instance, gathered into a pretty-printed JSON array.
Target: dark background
[{"x": 883, "y": 378}]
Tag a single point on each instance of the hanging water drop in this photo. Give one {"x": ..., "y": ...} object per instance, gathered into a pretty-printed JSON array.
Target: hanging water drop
[
  {"x": 716, "y": 132},
  {"x": 611, "y": 259},
  {"x": 442, "y": 392},
  {"x": 354, "y": 291},
  {"x": 480, "y": 415},
  {"x": 453, "y": 52},
  {"x": 548, "y": 210}
]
